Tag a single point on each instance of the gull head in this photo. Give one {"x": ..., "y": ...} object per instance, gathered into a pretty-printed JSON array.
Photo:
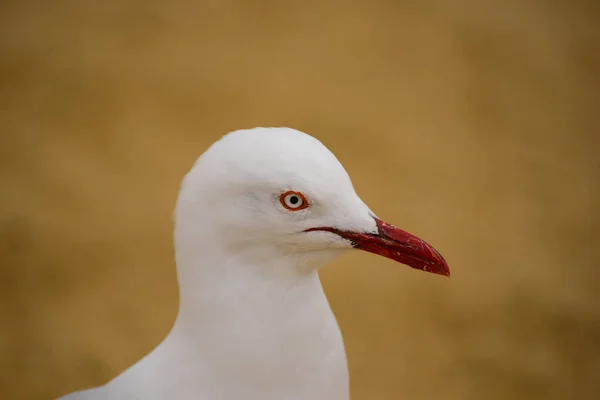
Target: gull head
[{"x": 278, "y": 192}]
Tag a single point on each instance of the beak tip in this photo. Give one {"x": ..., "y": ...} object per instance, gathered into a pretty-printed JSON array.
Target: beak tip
[
  {"x": 445, "y": 270},
  {"x": 441, "y": 269}
]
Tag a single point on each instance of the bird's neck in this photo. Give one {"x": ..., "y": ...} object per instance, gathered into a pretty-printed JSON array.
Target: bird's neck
[
  {"x": 251, "y": 293},
  {"x": 265, "y": 323}
]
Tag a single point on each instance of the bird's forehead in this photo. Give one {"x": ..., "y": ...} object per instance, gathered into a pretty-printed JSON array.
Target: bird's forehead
[
  {"x": 275, "y": 156},
  {"x": 275, "y": 147}
]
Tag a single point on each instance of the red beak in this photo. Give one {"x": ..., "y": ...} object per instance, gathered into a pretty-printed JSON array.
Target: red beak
[{"x": 397, "y": 245}]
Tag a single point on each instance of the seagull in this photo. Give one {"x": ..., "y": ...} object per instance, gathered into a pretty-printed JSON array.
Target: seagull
[{"x": 257, "y": 215}]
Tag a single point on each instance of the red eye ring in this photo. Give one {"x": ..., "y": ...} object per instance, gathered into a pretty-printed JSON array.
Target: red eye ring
[{"x": 293, "y": 201}]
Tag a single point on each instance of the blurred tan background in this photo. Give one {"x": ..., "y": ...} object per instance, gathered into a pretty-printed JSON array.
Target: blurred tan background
[{"x": 473, "y": 124}]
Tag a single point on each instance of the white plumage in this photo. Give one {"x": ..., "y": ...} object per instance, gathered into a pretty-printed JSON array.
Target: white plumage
[{"x": 257, "y": 215}]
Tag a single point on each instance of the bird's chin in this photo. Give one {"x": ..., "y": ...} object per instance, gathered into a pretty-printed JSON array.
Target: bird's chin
[{"x": 316, "y": 258}]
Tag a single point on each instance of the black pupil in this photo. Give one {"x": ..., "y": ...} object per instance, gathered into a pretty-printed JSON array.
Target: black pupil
[{"x": 294, "y": 199}]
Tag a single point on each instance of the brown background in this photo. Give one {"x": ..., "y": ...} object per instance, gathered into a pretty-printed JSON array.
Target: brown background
[{"x": 473, "y": 124}]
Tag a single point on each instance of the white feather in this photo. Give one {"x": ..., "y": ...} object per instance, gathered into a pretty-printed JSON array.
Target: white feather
[{"x": 253, "y": 323}]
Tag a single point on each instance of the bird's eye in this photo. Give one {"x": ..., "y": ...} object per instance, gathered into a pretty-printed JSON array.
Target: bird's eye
[{"x": 293, "y": 201}]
